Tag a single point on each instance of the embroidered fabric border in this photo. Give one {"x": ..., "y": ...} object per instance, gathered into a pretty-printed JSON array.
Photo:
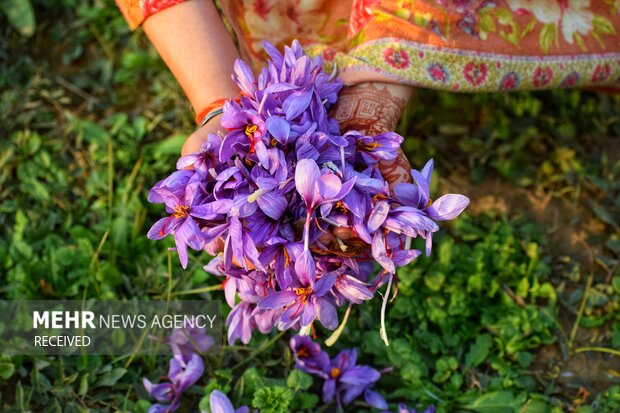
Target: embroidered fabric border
[{"x": 443, "y": 68}]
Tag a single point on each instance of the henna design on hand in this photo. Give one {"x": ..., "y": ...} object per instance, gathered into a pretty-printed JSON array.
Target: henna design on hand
[
  {"x": 396, "y": 171},
  {"x": 369, "y": 108},
  {"x": 372, "y": 109}
]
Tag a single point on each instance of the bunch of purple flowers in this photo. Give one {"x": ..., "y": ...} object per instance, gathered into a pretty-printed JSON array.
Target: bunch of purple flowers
[{"x": 295, "y": 212}]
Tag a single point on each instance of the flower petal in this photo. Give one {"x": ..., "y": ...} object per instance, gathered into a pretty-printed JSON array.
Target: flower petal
[
  {"x": 251, "y": 252},
  {"x": 427, "y": 171},
  {"x": 378, "y": 215},
  {"x": 309, "y": 313},
  {"x": 219, "y": 403},
  {"x": 407, "y": 194},
  {"x": 327, "y": 314},
  {"x": 272, "y": 205},
  {"x": 447, "y": 207},
  {"x": 360, "y": 376},
  {"x": 210, "y": 210},
  {"x": 162, "y": 228},
  {"x": 324, "y": 284},
  {"x": 404, "y": 257},
  {"x": 279, "y": 128},
  {"x": 353, "y": 289},
  {"x": 277, "y": 300},
  {"x": 245, "y": 77},
  {"x": 305, "y": 268},
  {"x": 296, "y": 103},
  {"x": 329, "y": 186},
  {"x": 306, "y": 175},
  {"x": 375, "y": 399},
  {"x": 379, "y": 253},
  {"x": 329, "y": 390},
  {"x": 423, "y": 187}
]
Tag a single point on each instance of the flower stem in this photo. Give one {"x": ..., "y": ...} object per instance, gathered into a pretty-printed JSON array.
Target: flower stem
[
  {"x": 198, "y": 290},
  {"x": 383, "y": 330},
  {"x": 307, "y": 231},
  {"x": 582, "y": 306},
  {"x": 336, "y": 334},
  {"x": 598, "y": 349},
  {"x": 265, "y": 346},
  {"x": 306, "y": 330}
]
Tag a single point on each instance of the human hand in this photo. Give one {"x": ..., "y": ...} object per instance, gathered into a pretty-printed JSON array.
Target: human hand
[
  {"x": 374, "y": 108},
  {"x": 194, "y": 141},
  {"x": 370, "y": 108}
]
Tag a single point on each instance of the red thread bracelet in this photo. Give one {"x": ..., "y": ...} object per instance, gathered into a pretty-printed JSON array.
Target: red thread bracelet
[{"x": 216, "y": 104}]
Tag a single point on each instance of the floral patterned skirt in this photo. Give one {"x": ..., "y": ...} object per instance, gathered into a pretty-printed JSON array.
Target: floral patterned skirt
[{"x": 457, "y": 45}]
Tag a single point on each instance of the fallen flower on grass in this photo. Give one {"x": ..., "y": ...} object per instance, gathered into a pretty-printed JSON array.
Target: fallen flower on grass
[
  {"x": 183, "y": 372},
  {"x": 219, "y": 403},
  {"x": 345, "y": 380}
]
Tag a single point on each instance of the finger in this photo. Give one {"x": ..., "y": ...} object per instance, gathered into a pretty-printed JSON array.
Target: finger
[
  {"x": 396, "y": 171},
  {"x": 194, "y": 142}
]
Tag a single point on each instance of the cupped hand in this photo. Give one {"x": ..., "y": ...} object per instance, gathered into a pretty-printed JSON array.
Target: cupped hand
[
  {"x": 194, "y": 141},
  {"x": 386, "y": 101},
  {"x": 370, "y": 108},
  {"x": 373, "y": 108}
]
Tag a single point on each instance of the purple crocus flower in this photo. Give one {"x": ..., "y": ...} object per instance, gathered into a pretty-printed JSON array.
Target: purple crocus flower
[
  {"x": 219, "y": 403},
  {"x": 417, "y": 196},
  {"x": 384, "y": 147},
  {"x": 317, "y": 188},
  {"x": 183, "y": 372},
  {"x": 306, "y": 301},
  {"x": 246, "y": 133},
  {"x": 346, "y": 381},
  {"x": 181, "y": 222},
  {"x": 204, "y": 160},
  {"x": 189, "y": 340},
  {"x": 308, "y": 355}
]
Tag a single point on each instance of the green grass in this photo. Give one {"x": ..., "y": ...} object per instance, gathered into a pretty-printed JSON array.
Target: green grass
[{"x": 516, "y": 311}]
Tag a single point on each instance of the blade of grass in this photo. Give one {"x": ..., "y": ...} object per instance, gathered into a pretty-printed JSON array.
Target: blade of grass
[
  {"x": 582, "y": 307},
  {"x": 598, "y": 349},
  {"x": 196, "y": 290}
]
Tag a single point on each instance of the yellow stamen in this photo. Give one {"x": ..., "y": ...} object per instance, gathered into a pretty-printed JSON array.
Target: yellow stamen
[
  {"x": 335, "y": 373},
  {"x": 303, "y": 290},
  {"x": 181, "y": 211},
  {"x": 250, "y": 129},
  {"x": 368, "y": 146},
  {"x": 304, "y": 293},
  {"x": 340, "y": 207}
]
